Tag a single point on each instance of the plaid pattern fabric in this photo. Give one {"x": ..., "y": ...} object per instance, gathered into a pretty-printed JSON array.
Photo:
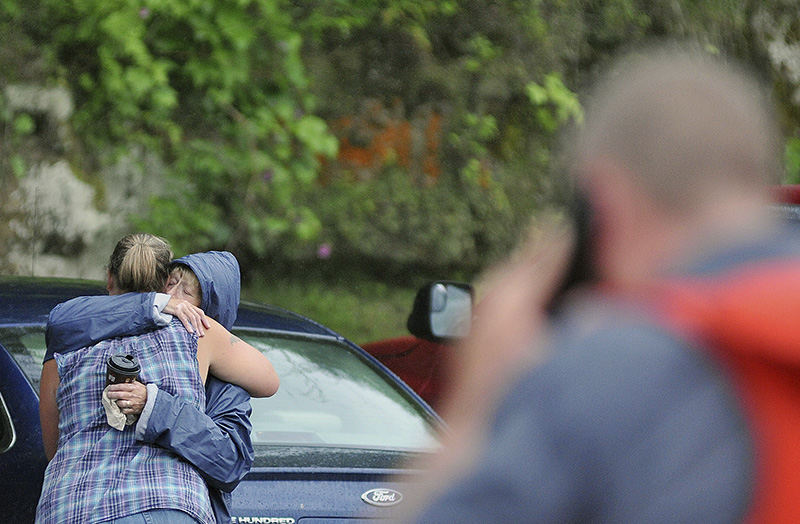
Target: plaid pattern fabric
[{"x": 99, "y": 473}]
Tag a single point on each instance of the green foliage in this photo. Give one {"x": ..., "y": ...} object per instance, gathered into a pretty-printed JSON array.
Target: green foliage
[
  {"x": 18, "y": 166},
  {"x": 555, "y": 104},
  {"x": 24, "y": 124},
  {"x": 235, "y": 98},
  {"x": 391, "y": 219},
  {"x": 499, "y": 72},
  {"x": 792, "y": 161},
  {"x": 392, "y": 223},
  {"x": 218, "y": 89},
  {"x": 361, "y": 308}
]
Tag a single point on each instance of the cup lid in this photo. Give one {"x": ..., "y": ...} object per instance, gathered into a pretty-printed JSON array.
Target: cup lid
[{"x": 124, "y": 363}]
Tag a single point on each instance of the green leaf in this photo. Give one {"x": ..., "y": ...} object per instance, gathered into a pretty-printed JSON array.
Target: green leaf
[
  {"x": 18, "y": 166},
  {"x": 236, "y": 26},
  {"x": 313, "y": 132},
  {"x": 24, "y": 124},
  {"x": 276, "y": 224},
  {"x": 791, "y": 158},
  {"x": 308, "y": 226},
  {"x": 536, "y": 93}
]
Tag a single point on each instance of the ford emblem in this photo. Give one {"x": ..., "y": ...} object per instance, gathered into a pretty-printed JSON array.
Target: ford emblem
[{"x": 382, "y": 497}]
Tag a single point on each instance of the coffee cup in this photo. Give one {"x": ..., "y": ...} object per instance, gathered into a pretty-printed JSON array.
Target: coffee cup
[{"x": 121, "y": 369}]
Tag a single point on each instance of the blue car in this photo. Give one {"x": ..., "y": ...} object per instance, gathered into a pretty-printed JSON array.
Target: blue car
[{"x": 331, "y": 444}]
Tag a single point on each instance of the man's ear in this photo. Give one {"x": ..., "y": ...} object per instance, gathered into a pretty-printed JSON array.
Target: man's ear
[
  {"x": 631, "y": 231},
  {"x": 110, "y": 285},
  {"x": 614, "y": 204},
  {"x": 607, "y": 186}
]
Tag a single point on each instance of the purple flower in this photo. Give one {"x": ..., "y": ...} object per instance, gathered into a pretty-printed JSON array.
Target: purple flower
[
  {"x": 144, "y": 13},
  {"x": 324, "y": 251},
  {"x": 267, "y": 175}
]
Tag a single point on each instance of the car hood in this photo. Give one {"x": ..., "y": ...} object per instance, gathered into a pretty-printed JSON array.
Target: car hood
[{"x": 306, "y": 484}]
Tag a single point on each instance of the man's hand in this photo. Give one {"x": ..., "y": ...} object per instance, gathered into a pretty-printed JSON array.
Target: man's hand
[
  {"x": 130, "y": 396},
  {"x": 508, "y": 325},
  {"x": 508, "y": 330},
  {"x": 193, "y": 318}
]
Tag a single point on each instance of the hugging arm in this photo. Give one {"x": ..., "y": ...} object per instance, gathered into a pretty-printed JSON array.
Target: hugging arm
[
  {"x": 48, "y": 408},
  {"x": 84, "y": 321},
  {"x": 231, "y": 359},
  {"x": 216, "y": 442}
]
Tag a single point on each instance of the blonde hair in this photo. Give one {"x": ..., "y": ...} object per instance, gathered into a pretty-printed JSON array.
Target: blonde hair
[
  {"x": 183, "y": 272},
  {"x": 140, "y": 262}
]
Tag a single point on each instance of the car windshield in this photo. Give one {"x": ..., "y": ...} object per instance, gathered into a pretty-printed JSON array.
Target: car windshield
[
  {"x": 27, "y": 348},
  {"x": 332, "y": 396},
  {"x": 329, "y": 394}
]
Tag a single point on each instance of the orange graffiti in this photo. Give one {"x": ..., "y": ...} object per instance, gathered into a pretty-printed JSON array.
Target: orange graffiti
[{"x": 378, "y": 136}]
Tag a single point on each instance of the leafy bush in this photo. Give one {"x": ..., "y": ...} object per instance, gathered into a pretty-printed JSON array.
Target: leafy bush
[
  {"x": 792, "y": 161},
  {"x": 218, "y": 89},
  {"x": 245, "y": 103}
]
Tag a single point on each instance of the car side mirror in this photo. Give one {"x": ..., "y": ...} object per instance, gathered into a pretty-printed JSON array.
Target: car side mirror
[{"x": 442, "y": 311}]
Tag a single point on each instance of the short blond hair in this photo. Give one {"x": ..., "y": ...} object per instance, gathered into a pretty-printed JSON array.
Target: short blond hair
[
  {"x": 184, "y": 273},
  {"x": 684, "y": 123}
]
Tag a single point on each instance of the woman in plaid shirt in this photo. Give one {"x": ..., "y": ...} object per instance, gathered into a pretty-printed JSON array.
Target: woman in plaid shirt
[{"x": 99, "y": 474}]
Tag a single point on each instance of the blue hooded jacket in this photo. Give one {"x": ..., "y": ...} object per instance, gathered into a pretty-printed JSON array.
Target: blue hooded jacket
[
  {"x": 220, "y": 283},
  {"x": 216, "y": 442}
]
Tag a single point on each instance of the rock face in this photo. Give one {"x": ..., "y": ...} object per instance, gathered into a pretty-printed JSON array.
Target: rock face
[
  {"x": 53, "y": 222},
  {"x": 58, "y": 223},
  {"x": 777, "y": 32}
]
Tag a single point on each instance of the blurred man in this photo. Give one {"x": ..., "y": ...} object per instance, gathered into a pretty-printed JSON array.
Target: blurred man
[{"x": 668, "y": 389}]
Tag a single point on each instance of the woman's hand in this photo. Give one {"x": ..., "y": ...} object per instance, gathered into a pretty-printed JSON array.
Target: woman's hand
[
  {"x": 193, "y": 318},
  {"x": 130, "y": 396}
]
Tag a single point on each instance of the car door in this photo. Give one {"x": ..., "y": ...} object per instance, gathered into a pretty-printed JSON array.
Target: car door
[{"x": 22, "y": 460}]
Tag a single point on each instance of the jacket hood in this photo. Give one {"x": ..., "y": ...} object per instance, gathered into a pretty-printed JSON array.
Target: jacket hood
[{"x": 220, "y": 283}]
